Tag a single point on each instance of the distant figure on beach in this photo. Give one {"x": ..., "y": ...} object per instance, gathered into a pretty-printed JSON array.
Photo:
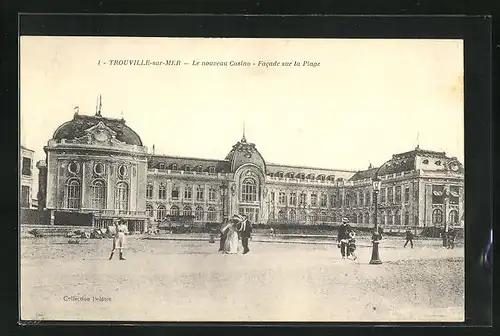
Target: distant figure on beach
[
  {"x": 351, "y": 245},
  {"x": 452, "y": 234},
  {"x": 271, "y": 232},
  {"x": 119, "y": 238},
  {"x": 343, "y": 236},
  {"x": 409, "y": 237}
]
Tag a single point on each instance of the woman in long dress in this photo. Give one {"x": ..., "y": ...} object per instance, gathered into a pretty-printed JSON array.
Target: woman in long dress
[{"x": 231, "y": 243}]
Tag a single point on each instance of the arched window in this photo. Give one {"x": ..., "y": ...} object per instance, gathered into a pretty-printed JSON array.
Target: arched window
[
  {"x": 367, "y": 218},
  {"x": 281, "y": 215},
  {"x": 293, "y": 216},
  {"x": 249, "y": 190},
  {"x": 73, "y": 194},
  {"x": 149, "y": 191},
  {"x": 98, "y": 195},
  {"x": 313, "y": 217},
  {"x": 174, "y": 210},
  {"x": 161, "y": 212},
  {"x": 437, "y": 216},
  {"x": 212, "y": 215},
  {"x": 303, "y": 216},
  {"x": 322, "y": 216},
  {"x": 453, "y": 217},
  {"x": 121, "y": 197},
  {"x": 199, "y": 213},
  {"x": 149, "y": 211},
  {"x": 162, "y": 192},
  {"x": 397, "y": 217},
  {"x": 407, "y": 218},
  {"x": 187, "y": 211}
]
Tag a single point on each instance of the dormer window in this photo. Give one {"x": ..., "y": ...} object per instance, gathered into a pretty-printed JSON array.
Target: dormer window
[
  {"x": 310, "y": 176},
  {"x": 187, "y": 168},
  {"x": 271, "y": 174},
  {"x": 211, "y": 169},
  {"x": 425, "y": 161},
  {"x": 174, "y": 167},
  {"x": 280, "y": 174},
  {"x": 438, "y": 163},
  {"x": 161, "y": 166},
  {"x": 199, "y": 169},
  {"x": 291, "y": 175},
  {"x": 321, "y": 177}
]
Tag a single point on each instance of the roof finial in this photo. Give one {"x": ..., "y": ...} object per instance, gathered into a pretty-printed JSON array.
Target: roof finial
[
  {"x": 243, "y": 139},
  {"x": 418, "y": 143},
  {"x": 98, "y": 108},
  {"x": 76, "y": 109},
  {"x": 153, "y": 152}
]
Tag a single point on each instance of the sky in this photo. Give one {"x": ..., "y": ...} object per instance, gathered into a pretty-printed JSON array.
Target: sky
[{"x": 367, "y": 99}]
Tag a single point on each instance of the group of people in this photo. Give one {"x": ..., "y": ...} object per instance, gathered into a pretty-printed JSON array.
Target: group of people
[
  {"x": 346, "y": 239},
  {"x": 238, "y": 228}
]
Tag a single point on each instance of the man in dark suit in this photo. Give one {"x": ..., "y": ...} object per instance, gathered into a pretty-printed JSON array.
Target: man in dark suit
[
  {"x": 409, "y": 237},
  {"x": 245, "y": 231},
  {"x": 343, "y": 236}
]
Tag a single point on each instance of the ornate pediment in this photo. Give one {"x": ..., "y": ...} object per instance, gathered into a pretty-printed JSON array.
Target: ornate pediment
[{"x": 99, "y": 134}]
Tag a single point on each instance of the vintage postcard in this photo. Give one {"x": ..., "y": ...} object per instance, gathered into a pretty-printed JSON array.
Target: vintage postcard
[{"x": 241, "y": 179}]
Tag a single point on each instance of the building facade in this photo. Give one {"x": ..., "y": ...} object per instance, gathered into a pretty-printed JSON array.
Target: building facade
[
  {"x": 97, "y": 164},
  {"x": 26, "y": 172}
]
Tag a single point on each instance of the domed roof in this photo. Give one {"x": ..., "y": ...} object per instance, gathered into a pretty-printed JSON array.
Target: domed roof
[
  {"x": 245, "y": 152},
  {"x": 76, "y": 128}
]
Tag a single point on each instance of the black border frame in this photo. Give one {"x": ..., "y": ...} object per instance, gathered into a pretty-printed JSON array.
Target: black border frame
[{"x": 476, "y": 32}]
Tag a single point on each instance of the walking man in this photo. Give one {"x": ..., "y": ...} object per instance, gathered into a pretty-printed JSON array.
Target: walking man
[
  {"x": 343, "y": 236},
  {"x": 245, "y": 230},
  {"x": 409, "y": 238}
]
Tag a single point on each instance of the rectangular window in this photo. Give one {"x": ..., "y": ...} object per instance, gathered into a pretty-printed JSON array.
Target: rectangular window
[
  {"x": 314, "y": 200},
  {"x": 390, "y": 195},
  {"x": 454, "y": 194},
  {"x": 437, "y": 194},
  {"x": 25, "y": 196},
  {"x": 332, "y": 200},
  {"x": 398, "y": 194},
  {"x": 211, "y": 194},
  {"x": 149, "y": 191},
  {"x": 407, "y": 195},
  {"x": 26, "y": 168},
  {"x": 272, "y": 196},
  {"x": 281, "y": 198},
  {"x": 199, "y": 193},
  {"x": 323, "y": 200},
  {"x": 175, "y": 193},
  {"x": 302, "y": 199},
  {"x": 355, "y": 200},
  {"x": 382, "y": 195},
  {"x": 188, "y": 193},
  {"x": 162, "y": 192},
  {"x": 293, "y": 199}
]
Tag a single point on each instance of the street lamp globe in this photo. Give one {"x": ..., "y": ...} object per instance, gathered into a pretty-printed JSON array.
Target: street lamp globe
[{"x": 376, "y": 183}]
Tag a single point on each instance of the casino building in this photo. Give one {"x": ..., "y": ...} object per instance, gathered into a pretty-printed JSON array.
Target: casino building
[{"x": 100, "y": 165}]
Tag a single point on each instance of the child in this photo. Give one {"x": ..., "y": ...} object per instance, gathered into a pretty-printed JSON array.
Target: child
[{"x": 351, "y": 244}]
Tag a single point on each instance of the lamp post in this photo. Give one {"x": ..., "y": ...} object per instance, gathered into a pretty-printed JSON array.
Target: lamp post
[
  {"x": 223, "y": 191},
  {"x": 375, "y": 260}
]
